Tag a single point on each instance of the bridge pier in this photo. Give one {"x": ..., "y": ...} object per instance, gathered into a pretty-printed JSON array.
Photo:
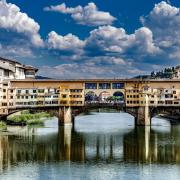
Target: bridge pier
[
  {"x": 143, "y": 117},
  {"x": 65, "y": 116}
]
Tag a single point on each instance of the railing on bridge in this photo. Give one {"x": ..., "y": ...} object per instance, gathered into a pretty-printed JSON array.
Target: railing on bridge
[{"x": 105, "y": 104}]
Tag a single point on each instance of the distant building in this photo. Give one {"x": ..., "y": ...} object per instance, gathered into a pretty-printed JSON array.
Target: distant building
[
  {"x": 176, "y": 74},
  {"x": 10, "y": 69}
]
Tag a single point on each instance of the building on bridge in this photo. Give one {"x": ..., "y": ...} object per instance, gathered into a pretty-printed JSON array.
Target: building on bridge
[{"x": 143, "y": 99}]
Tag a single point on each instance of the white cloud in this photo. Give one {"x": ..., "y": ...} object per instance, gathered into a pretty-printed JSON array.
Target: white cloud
[
  {"x": 164, "y": 22},
  {"x": 112, "y": 39},
  {"x": 12, "y": 51},
  {"x": 11, "y": 18},
  {"x": 88, "y": 15},
  {"x": 64, "y": 43}
]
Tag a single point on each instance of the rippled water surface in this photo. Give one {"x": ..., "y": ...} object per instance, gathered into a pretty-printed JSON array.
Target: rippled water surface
[{"x": 101, "y": 146}]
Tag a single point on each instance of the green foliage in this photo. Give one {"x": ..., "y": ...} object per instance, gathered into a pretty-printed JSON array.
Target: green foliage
[
  {"x": 25, "y": 112},
  {"x": 26, "y": 118},
  {"x": 35, "y": 122},
  {"x": 166, "y": 73},
  {"x": 114, "y": 98},
  {"x": 3, "y": 126}
]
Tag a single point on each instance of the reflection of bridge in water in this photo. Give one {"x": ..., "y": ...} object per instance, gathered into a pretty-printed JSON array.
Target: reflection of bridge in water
[{"x": 139, "y": 145}]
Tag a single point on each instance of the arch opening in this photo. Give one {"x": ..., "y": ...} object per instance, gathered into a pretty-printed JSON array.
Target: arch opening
[
  {"x": 103, "y": 96},
  {"x": 91, "y": 96},
  {"x": 117, "y": 97}
]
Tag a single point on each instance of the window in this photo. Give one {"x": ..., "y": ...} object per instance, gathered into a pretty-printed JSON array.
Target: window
[
  {"x": 176, "y": 102},
  {"x": 54, "y": 102},
  {"x": 168, "y": 96},
  {"x": 4, "y": 97},
  {"x": 19, "y": 91},
  {"x": 6, "y": 73},
  {"x": 63, "y": 102},
  {"x": 11, "y": 97},
  {"x": 64, "y": 96},
  {"x": 90, "y": 85},
  {"x": 104, "y": 86},
  {"x": 40, "y": 90},
  {"x": 27, "y": 91},
  {"x": 4, "y": 90},
  {"x": 75, "y": 90},
  {"x": 34, "y": 91},
  {"x": 117, "y": 85},
  {"x": 168, "y": 102}
]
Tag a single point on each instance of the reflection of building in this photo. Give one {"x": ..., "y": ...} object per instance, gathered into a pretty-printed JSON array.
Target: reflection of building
[{"x": 147, "y": 146}]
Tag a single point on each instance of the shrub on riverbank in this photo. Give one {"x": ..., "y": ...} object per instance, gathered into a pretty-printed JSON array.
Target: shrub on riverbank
[
  {"x": 25, "y": 118},
  {"x": 39, "y": 122},
  {"x": 3, "y": 126}
]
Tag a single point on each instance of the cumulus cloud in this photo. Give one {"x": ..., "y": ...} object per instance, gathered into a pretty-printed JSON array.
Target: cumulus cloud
[
  {"x": 13, "y": 51},
  {"x": 112, "y": 39},
  {"x": 88, "y": 15},
  {"x": 64, "y": 43},
  {"x": 164, "y": 21},
  {"x": 11, "y": 18},
  {"x": 84, "y": 70}
]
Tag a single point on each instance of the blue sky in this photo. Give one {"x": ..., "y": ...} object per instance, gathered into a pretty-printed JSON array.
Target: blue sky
[{"x": 89, "y": 39}]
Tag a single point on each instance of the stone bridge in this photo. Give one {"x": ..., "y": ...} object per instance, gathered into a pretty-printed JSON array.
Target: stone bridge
[{"x": 143, "y": 99}]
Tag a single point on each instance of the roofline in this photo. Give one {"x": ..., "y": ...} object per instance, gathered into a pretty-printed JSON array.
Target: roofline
[
  {"x": 96, "y": 80},
  {"x": 13, "y": 61},
  {"x": 23, "y": 65}
]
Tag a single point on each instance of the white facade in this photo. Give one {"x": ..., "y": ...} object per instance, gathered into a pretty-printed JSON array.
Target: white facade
[{"x": 14, "y": 70}]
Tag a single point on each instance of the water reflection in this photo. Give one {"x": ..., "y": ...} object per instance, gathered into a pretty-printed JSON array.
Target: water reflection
[{"x": 85, "y": 144}]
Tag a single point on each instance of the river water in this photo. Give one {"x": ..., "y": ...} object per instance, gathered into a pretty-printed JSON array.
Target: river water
[{"x": 101, "y": 146}]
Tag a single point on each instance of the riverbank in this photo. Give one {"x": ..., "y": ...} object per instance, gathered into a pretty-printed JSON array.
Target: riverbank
[
  {"x": 3, "y": 126},
  {"x": 27, "y": 118}
]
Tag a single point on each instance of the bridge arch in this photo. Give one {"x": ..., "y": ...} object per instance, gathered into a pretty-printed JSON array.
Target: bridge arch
[
  {"x": 91, "y": 96},
  {"x": 104, "y": 95},
  {"x": 118, "y": 95}
]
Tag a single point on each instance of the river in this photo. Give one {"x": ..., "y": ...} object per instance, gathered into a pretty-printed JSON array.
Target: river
[{"x": 101, "y": 146}]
